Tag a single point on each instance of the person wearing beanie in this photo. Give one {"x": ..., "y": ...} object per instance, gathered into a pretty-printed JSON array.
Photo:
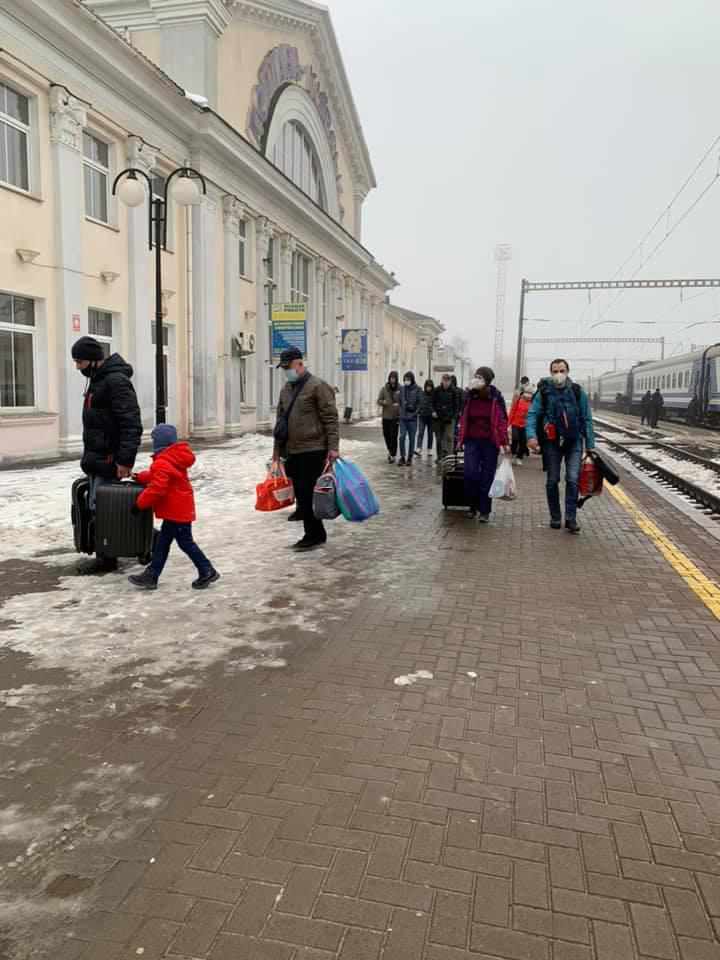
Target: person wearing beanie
[
  {"x": 112, "y": 425},
  {"x": 169, "y": 493}
]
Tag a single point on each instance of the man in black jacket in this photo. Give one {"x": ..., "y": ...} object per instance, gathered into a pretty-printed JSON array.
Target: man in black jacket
[{"x": 112, "y": 425}]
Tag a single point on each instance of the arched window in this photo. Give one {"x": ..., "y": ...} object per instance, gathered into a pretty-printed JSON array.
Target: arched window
[{"x": 295, "y": 154}]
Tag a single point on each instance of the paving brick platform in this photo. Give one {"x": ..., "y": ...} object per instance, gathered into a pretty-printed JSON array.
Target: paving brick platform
[{"x": 552, "y": 793}]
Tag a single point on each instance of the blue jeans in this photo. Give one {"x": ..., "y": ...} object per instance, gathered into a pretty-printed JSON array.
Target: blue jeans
[
  {"x": 408, "y": 430},
  {"x": 481, "y": 457},
  {"x": 553, "y": 456},
  {"x": 182, "y": 533},
  {"x": 95, "y": 482},
  {"x": 426, "y": 424}
]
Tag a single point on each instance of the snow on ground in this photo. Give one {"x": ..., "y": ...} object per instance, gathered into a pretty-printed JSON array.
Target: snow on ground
[{"x": 98, "y": 627}]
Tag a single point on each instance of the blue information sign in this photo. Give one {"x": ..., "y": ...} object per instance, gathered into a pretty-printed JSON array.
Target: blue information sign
[{"x": 354, "y": 351}]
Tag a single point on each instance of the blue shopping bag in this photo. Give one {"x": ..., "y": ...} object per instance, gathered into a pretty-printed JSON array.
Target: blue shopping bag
[{"x": 355, "y": 498}]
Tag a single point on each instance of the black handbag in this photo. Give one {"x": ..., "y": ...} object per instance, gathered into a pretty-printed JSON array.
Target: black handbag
[
  {"x": 281, "y": 430},
  {"x": 608, "y": 473}
]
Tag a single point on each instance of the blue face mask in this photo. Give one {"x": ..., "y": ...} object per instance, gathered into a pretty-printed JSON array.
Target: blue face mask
[{"x": 292, "y": 375}]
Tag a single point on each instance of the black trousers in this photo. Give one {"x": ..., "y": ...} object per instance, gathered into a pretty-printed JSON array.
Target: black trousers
[
  {"x": 390, "y": 433},
  {"x": 304, "y": 470},
  {"x": 519, "y": 443}
]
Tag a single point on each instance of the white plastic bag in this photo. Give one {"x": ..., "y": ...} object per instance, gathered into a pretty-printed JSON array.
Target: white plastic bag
[{"x": 503, "y": 486}]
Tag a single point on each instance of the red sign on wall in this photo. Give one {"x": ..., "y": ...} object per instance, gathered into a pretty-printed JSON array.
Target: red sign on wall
[{"x": 76, "y": 322}]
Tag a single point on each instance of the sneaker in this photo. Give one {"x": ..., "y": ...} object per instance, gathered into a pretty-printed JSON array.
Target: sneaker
[
  {"x": 295, "y": 517},
  {"x": 205, "y": 579},
  {"x": 418, "y": 453},
  {"x": 97, "y": 567},
  {"x": 145, "y": 580},
  {"x": 484, "y": 518},
  {"x": 305, "y": 545},
  {"x": 471, "y": 514},
  {"x": 555, "y": 524},
  {"x": 402, "y": 462},
  {"x": 517, "y": 462},
  {"x": 391, "y": 459},
  {"x": 572, "y": 526}
]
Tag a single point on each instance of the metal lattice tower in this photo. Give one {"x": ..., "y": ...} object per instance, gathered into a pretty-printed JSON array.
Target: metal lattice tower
[{"x": 503, "y": 254}]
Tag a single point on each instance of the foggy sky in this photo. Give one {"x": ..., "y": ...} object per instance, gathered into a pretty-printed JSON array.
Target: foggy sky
[{"x": 560, "y": 127}]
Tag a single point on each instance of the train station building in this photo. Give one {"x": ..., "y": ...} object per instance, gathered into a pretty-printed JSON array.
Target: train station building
[{"x": 253, "y": 95}]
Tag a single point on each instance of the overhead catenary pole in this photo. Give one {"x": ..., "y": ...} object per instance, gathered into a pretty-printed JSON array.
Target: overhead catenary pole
[{"x": 521, "y": 322}]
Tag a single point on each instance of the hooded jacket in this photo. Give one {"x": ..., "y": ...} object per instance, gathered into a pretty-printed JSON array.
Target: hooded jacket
[
  {"x": 168, "y": 491},
  {"x": 389, "y": 399},
  {"x": 410, "y": 398},
  {"x": 426, "y": 402},
  {"x": 498, "y": 418},
  {"x": 445, "y": 404},
  {"x": 112, "y": 425}
]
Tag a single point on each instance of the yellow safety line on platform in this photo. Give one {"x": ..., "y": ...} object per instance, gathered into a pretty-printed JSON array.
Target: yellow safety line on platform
[{"x": 706, "y": 589}]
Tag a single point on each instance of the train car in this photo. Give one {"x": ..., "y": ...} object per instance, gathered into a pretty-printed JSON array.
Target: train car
[
  {"x": 612, "y": 385},
  {"x": 678, "y": 378}
]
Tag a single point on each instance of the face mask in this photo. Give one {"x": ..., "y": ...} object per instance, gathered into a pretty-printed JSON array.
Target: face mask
[
  {"x": 477, "y": 384},
  {"x": 292, "y": 375},
  {"x": 88, "y": 371},
  {"x": 408, "y": 383},
  {"x": 559, "y": 379}
]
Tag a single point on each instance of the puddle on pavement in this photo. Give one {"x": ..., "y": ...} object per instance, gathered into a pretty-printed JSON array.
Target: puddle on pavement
[
  {"x": 68, "y": 885},
  {"x": 22, "y": 577},
  {"x": 16, "y": 670}
]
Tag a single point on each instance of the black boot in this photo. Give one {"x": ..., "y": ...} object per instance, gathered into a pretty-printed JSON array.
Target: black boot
[
  {"x": 145, "y": 580},
  {"x": 205, "y": 579},
  {"x": 572, "y": 526},
  {"x": 295, "y": 517},
  {"x": 307, "y": 543},
  {"x": 98, "y": 566}
]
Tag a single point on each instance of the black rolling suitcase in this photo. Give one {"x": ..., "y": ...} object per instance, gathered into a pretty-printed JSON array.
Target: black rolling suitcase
[
  {"x": 453, "y": 481},
  {"x": 118, "y": 532}
]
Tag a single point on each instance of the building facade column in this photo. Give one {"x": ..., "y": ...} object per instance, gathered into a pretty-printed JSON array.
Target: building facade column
[
  {"x": 347, "y": 323},
  {"x": 67, "y": 120},
  {"x": 263, "y": 236},
  {"x": 287, "y": 249},
  {"x": 367, "y": 376},
  {"x": 332, "y": 293},
  {"x": 357, "y": 378},
  {"x": 207, "y": 417},
  {"x": 321, "y": 314},
  {"x": 141, "y": 287},
  {"x": 233, "y": 213}
]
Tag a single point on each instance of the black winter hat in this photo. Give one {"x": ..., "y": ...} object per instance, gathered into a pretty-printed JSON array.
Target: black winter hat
[{"x": 87, "y": 348}]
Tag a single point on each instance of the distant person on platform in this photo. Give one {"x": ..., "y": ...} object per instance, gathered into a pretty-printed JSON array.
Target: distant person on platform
[
  {"x": 425, "y": 418},
  {"x": 517, "y": 419},
  {"x": 656, "y": 408},
  {"x": 307, "y": 435},
  {"x": 560, "y": 423},
  {"x": 112, "y": 426},
  {"x": 646, "y": 408},
  {"x": 389, "y": 402},
  {"x": 445, "y": 413},
  {"x": 523, "y": 387}
]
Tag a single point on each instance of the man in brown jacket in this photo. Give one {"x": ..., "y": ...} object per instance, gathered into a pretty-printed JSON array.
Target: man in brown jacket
[{"x": 307, "y": 434}]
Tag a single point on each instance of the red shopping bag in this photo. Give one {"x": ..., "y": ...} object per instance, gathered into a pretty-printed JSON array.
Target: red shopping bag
[
  {"x": 275, "y": 492},
  {"x": 591, "y": 480}
]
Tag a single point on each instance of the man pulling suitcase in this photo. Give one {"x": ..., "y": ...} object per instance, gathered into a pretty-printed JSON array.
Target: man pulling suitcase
[{"x": 112, "y": 426}]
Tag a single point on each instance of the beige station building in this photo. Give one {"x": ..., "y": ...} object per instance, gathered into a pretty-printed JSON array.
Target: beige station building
[{"x": 252, "y": 95}]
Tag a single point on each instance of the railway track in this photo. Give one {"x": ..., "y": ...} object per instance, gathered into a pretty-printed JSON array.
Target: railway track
[{"x": 636, "y": 446}]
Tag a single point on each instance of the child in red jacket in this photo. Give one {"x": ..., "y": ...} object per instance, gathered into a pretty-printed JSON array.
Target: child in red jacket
[{"x": 169, "y": 493}]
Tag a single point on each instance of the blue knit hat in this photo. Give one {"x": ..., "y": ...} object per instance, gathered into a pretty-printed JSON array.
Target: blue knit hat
[{"x": 163, "y": 435}]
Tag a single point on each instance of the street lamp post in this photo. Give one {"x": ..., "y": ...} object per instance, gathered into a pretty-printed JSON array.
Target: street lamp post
[
  {"x": 521, "y": 323},
  {"x": 132, "y": 194}
]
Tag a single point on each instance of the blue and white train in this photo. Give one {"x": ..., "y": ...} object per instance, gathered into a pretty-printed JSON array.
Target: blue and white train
[{"x": 690, "y": 385}]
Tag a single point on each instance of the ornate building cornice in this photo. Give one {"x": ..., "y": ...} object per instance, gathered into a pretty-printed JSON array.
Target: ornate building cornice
[
  {"x": 143, "y": 14},
  {"x": 140, "y": 154}
]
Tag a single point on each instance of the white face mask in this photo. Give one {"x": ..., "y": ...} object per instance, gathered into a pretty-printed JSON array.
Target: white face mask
[
  {"x": 559, "y": 378},
  {"x": 408, "y": 383},
  {"x": 477, "y": 383}
]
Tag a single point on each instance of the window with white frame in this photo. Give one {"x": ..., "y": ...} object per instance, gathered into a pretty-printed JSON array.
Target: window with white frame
[
  {"x": 96, "y": 175},
  {"x": 100, "y": 326},
  {"x": 295, "y": 154},
  {"x": 17, "y": 351},
  {"x": 300, "y": 278},
  {"x": 14, "y": 138},
  {"x": 242, "y": 249}
]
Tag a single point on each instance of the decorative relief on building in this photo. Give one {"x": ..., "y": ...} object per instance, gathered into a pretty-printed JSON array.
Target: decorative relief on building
[
  {"x": 68, "y": 116},
  {"x": 280, "y": 67}
]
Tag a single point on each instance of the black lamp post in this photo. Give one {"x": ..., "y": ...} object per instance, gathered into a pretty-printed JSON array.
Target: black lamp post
[{"x": 132, "y": 194}]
